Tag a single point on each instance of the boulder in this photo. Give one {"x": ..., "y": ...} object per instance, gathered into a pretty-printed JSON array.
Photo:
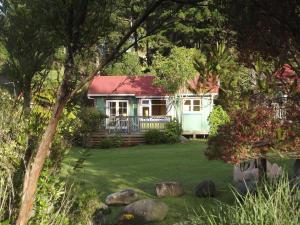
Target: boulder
[
  {"x": 183, "y": 139},
  {"x": 98, "y": 218},
  {"x": 124, "y": 197},
  {"x": 241, "y": 173},
  {"x": 205, "y": 189},
  {"x": 246, "y": 186},
  {"x": 143, "y": 211},
  {"x": 297, "y": 167},
  {"x": 274, "y": 171},
  {"x": 173, "y": 189}
]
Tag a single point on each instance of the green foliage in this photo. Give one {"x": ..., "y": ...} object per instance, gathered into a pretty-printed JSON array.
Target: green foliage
[
  {"x": 172, "y": 132},
  {"x": 128, "y": 65},
  {"x": 169, "y": 135},
  {"x": 174, "y": 71},
  {"x": 219, "y": 65},
  {"x": 111, "y": 142},
  {"x": 90, "y": 119},
  {"x": 274, "y": 204},
  {"x": 84, "y": 207},
  {"x": 154, "y": 136},
  {"x": 12, "y": 148},
  {"x": 217, "y": 118},
  {"x": 53, "y": 203}
]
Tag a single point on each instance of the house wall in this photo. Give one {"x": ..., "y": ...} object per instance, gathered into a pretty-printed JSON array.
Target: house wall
[
  {"x": 192, "y": 122},
  {"x": 197, "y": 122},
  {"x": 100, "y": 103}
]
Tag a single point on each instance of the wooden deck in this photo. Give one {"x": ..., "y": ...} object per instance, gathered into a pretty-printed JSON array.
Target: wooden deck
[
  {"x": 129, "y": 139},
  {"x": 130, "y": 128}
]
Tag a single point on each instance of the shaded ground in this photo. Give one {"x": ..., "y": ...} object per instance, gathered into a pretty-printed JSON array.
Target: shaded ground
[{"x": 142, "y": 166}]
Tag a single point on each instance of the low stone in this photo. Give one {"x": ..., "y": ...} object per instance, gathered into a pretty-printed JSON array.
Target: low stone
[
  {"x": 274, "y": 172},
  {"x": 206, "y": 189},
  {"x": 173, "y": 189},
  {"x": 124, "y": 197},
  {"x": 143, "y": 211},
  {"x": 183, "y": 139},
  {"x": 297, "y": 168},
  {"x": 98, "y": 218},
  {"x": 246, "y": 186}
]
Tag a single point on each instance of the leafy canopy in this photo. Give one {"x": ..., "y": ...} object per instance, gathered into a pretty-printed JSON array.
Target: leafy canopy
[{"x": 174, "y": 71}]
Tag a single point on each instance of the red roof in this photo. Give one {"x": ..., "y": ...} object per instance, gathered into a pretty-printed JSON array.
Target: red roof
[
  {"x": 125, "y": 85},
  {"x": 128, "y": 85}
]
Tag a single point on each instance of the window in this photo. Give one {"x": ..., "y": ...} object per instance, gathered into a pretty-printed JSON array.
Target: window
[
  {"x": 158, "y": 107},
  {"x": 153, "y": 107},
  {"x": 117, "y": 108},
  {"x": 145, "y": 102},
  {"x": 187, "y": 106},
  {"x": 196, "y": 105},
  {"x": 122, "y": 108},
  {"x": 145, "y": 111},
  {"x": 192, "y": 105}
]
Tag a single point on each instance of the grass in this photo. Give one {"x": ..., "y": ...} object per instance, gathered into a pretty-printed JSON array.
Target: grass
[{"x": 141, "y": 167}]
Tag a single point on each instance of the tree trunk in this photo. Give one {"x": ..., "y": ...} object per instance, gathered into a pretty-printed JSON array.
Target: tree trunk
[
  {"x": 263, "y": 168},
  {"x": 33, "y": 172}
]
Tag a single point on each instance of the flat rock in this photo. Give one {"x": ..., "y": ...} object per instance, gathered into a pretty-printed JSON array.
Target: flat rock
[
  {"x": 143, "y": 211},
  {"x": 124, "y": 197},
  {"x": 171, "y": 188}
]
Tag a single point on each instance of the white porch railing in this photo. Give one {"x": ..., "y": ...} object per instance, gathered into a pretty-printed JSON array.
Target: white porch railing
[{"x": 135, "y": 124}]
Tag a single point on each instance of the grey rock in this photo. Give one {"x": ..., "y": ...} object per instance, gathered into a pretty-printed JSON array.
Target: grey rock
[
  {"x": 98, "y": 218},
  {"x": 246, "y": 186},
  {"x": 146, "y": 210},
  {"x": 297, "y": 167},
  {"x": 124, "y": 197},
  {"x": 206, "y": 189},
  {"x": 183, "y": 139},
  {"x": 172, "y": 188}
]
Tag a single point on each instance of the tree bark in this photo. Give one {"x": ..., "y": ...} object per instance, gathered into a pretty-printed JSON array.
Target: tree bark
[{"x": 33, "y": 172}]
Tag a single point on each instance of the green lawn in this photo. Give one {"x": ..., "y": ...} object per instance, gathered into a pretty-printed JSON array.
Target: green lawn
[{"x": 142, "y": 166}]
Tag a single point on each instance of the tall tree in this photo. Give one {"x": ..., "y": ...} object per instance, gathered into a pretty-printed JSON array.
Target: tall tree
[
  {"x": 79, "y": 25},
  {"x": 29, "y": 48}
]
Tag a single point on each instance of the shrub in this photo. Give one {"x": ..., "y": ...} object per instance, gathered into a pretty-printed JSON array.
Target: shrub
[
  {"x": 169, "y": 136},
  {"x": 172, "y": 132},
  {"x": 84, "y": 207},
  {"x": 154, "y": 136},
  {"x": 217, "y": 117},
  {"x": 111, "y": 142},
  {"x": 274, "y": 204},
  {"x": 90, "y": 120},
  {"x": 53, "y": 202}
]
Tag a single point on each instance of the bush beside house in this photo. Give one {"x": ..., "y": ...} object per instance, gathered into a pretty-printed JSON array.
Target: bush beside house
[{"x": 170, "y": 135}]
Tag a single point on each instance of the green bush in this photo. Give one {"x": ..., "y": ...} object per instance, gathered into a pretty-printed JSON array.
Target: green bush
[
  {"x": 52, "y": 203},
  {"x": 154, "y": 136},
  {"x": 217, "y": 117},
  {"x": 111, "y": 142},
  {"x": 90, "y": 120},
  {"x": 168, "y": 136},
  {"x": 84, "y": 206},
  {"x": 172, "y": 132},
  {"x": 274, "y": 204}
]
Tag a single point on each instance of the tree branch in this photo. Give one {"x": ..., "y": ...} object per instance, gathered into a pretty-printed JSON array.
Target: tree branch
[{"x": 116, "y": 51}]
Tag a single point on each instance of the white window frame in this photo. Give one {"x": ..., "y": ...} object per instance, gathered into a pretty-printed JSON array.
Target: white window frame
[
  {"x": 149, "y": 105},
  {"x": 117, "y": 107},
  {"x": 141, "y": 105},
  {"x": 192, "y": 105}
]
